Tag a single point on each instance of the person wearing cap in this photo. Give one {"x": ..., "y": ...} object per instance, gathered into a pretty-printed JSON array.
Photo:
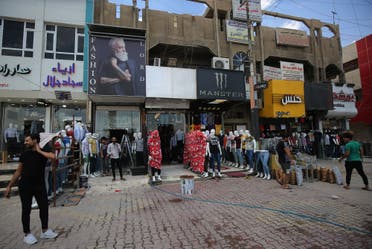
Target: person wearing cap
[{"x": 354, "y": 155}]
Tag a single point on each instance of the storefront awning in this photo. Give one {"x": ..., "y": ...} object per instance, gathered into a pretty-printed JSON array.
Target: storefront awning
[{"x": 342, "y": 113}]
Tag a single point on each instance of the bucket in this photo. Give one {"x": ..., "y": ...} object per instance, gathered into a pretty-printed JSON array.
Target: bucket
[
  {"x": 83, "y": 181},
  {"x": 187, "y": 184}
]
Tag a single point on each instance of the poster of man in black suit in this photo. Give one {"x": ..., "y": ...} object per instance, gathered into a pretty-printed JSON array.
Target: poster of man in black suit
[{"x": 120, "y": 66}]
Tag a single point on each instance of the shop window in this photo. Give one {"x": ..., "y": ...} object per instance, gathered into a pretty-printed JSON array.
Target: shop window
[
  {"x": 111, "y": 122},
  {"x": 63, "y": 42},
  {"x": 18, "y": 122},
  {"x": 67, "y": 116},
  {"x": 17, "y": 38}
]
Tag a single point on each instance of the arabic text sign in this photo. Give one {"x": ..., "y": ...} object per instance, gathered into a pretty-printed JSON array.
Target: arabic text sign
[
  {"x": 291, "y": 99},
  {"x": 54, "y": 82},
  {"x": 272, "y": 73},
  {"x": 292, "y": 71},
  {"x": 291, "y": 37},
  {"x": 236, "y": 31},
  {"x": 6, "y": 70},
  {"x": 240, "y": 10}
]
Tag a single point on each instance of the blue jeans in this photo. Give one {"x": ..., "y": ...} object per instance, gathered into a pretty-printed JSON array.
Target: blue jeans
[
  {"x": 240, "y": 156},
  {"x": 217, "y": 157},
  {"x": 235, "y": 155},
  {"x": 249, "y": 154},
  {"x": 263, "y": 157}
]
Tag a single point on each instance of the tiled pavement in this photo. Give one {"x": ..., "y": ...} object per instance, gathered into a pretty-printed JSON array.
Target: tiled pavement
[{"x": 227, "y": 213}]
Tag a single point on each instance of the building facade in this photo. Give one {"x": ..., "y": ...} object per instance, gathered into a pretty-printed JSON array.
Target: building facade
[
  {"x": 358, "y": 71},
  {"x": 219, "y": 39},
  {"x": 41, "y": 69}
]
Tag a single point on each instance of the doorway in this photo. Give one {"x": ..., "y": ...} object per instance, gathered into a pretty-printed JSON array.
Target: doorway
[{"x": 168, "y": 123}]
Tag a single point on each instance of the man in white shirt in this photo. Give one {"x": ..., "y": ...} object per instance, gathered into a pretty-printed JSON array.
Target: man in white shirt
[{"x": 113, "y": 152}]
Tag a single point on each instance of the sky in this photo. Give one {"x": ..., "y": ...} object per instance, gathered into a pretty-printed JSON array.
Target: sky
[{"x": 353, "y": 16}]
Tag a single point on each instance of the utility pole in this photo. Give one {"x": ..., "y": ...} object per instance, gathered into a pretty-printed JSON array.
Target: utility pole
[{"x": 250, "y": 74}]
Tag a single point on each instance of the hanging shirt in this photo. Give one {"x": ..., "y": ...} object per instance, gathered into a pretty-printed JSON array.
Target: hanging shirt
[
  {"x": 92, "y": 145},
  {"x": 214, "y": 144}
]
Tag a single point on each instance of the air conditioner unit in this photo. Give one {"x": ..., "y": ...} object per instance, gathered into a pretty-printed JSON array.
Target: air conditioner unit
[
  {"x": 220, "y": 63},
  {"x": 157, "y": 61}
]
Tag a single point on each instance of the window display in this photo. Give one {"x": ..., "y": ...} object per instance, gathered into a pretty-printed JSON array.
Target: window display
[
  {"x": 18, "y": 121},
  {"x": 66, "y": 116},
  {"x": 111, "y": 123}
]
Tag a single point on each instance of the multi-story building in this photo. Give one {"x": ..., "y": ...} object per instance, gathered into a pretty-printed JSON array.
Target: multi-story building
[
  {"x": 41, "y": 68},
  {"x": 358, "y": 70},
  {"x": 191, "y": 59}
]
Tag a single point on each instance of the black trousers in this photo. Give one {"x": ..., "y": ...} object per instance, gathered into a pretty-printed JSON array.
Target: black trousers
[
  {"x": 26, "y": 193},
  {"x": 153, "y": 170},
  {"x": 350, "y": 165},
  {"x": 115, "y": 162}
]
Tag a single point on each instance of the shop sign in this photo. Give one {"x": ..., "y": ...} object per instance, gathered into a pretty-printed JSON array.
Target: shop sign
[
  {"x": 272, "y": 73},
  {"x": 345, "y": 97},
  {"x": 343, "y": 102},
  {"x": 16, "y": 75},
  {"x": 292, "y": 71},
  {"x": 260, "y": 86},
  {"x": 283, "y": 99},
  {"x": 236, "y": 31},
  {"x": 281, "y": 114},
  {"x": 291, "y": 37},
  {"x": 239, "y": 9},
  {"x": 11, "y": 71},
  {"x": 117, "y": 66},
  {"x": 220, "y": 84},
  {"x": 291, "y": 99},
  {"x": 54, "y": 82}
]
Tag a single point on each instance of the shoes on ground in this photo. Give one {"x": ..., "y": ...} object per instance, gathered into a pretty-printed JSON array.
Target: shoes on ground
[
  {"x": 268, "y": 177},
  {"x": 250, "y": 171},
  {"x": 30, "y": 239},
  {"x": 219, "y": 174},
  {"x": 48, "y": 234}
]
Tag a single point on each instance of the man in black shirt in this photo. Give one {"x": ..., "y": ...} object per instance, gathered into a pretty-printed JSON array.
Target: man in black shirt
[
  {"x": 30, "y": 173},
  {"x": 285, "y": 159}
]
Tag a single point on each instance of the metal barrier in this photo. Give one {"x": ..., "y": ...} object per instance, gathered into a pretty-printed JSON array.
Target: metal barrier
[{"x": 75, "y": 165}]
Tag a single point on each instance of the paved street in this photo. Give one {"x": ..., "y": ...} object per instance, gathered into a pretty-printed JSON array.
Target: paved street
[{"x": 227, "y": 213}]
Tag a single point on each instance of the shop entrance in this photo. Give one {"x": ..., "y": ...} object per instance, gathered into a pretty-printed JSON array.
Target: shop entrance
[{"x": 171, "y": 127}]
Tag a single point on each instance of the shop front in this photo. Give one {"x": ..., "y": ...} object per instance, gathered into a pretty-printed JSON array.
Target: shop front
[
  {"x": 116, "y": 80},
  {"x": 283, "y": 107},
  {"x": 168, "y": 95},
  {"x": 221, "y": 101},
  {"x": 38, "y": 97},
  {"x": 344, "y": 108}
]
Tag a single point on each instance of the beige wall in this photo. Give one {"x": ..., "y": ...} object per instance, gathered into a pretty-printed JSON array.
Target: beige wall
[{"x": 187, "y": 30}]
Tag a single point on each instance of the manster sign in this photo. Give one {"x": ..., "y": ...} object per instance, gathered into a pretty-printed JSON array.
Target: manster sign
[{"x": 220, "y": 84}]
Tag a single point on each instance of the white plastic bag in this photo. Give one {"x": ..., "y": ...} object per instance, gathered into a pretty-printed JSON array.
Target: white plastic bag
[
  {"x": 299, "y": 175},
  {"x": 338, "y": 174}
]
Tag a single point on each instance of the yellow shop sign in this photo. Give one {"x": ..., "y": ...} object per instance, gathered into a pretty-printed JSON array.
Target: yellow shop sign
[{"x": 283, "y": 99}]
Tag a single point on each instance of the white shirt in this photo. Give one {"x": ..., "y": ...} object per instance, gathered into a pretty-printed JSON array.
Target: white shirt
[{"x": 113, "y": 150}]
